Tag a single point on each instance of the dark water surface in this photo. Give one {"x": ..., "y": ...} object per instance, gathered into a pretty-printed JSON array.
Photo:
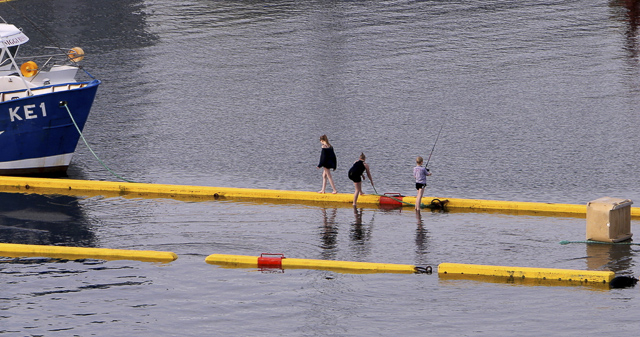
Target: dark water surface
[{"x": 537, "y": 101}]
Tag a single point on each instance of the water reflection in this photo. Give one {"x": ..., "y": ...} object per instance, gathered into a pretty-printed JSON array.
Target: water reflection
[
  {"x": 122, "y": 24},
  {"x": 422, "y": 236},
  {"x": 329, "y": 233},
  {"x": 43, "y": 220},
  {"x": 615, "y": 257},
  {"x": 628, "y": 11},
  {"x": 360, "y": 233},
  {"x": 632, "y": 17}
]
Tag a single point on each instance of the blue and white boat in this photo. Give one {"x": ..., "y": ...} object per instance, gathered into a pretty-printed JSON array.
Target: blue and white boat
[{"x": 40, "y": 107}]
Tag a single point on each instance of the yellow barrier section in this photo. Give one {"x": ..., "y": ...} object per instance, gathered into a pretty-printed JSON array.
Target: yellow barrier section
[
  {"x": 596, "y": 286},
  {"x": 69, "y": 186},
  {"x": 530, "y": 207},
  {"x": 48, "y": 185},
  {"x": 587, "y": 276},
  {"x": 74, "y": 253},
  {"x": 242, "y": 261},
  {"x": 348, "y": 265}
]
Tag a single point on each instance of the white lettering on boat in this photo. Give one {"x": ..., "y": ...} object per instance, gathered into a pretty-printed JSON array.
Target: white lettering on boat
[
  {"x": 29, "y": 111},
  {"x": 15, "y": 41},
  {"x": 13, "y": 113}
]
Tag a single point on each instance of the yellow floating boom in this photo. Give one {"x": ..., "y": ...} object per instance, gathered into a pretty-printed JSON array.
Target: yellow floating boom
[
  {"x": 534, "y": 207},
  {"x": 50, "y": 186},
  {"x": 84, "y": 187},
  {"x": 74, "y": 253},
  {"x": 470, "y": 270},
  {"x": 243, "y": 261}
]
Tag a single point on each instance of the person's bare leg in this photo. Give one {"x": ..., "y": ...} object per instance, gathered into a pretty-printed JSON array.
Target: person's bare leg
[
  {"x": 419, "y": 199},
  {"x": 333, "y": 186},
  {"x": 324, "y": 180},
  {"x": 358, "y": 187}
]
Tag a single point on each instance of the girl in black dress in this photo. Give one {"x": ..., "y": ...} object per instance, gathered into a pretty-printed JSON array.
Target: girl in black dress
[{"x": 328, "y": 162}]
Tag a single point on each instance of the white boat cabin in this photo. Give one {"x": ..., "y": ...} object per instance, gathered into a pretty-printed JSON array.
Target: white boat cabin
[{"x": 22, "y": 80}]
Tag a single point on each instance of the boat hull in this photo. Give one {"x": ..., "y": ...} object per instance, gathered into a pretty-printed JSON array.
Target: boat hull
[{"x": 37, "y": 135}]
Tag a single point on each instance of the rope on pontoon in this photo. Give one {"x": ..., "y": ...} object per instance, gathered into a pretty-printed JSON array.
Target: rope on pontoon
[
  {"x": 396, "y": 199},
  {"x": 435, "y": 203}
]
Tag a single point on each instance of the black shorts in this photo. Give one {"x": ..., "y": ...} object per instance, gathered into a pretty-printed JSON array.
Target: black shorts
[
  {"x": 420, "y": 185},
  {"x": 356, "y": 178}
]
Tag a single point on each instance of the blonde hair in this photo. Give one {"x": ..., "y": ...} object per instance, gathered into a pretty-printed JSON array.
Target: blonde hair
[
  {"x": 362, "y": 156},
  {"x": 419, "y": 160},
  {"x": 324, "y": 138}
]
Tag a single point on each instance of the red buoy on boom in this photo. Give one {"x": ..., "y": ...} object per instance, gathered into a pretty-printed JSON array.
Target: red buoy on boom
[{"x": 273, "y": 261}]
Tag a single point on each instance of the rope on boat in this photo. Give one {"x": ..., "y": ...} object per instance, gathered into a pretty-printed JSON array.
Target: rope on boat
[
  {"x": 89, "y": 147},
  {"x": 565, "y": 242}
]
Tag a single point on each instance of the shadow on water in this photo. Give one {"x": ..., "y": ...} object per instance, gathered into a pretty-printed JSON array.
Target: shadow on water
[{"x": 43, "y": 220}]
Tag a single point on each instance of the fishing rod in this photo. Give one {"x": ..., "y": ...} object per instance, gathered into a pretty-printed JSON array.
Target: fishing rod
[
  {"x": 374, "y": 188},
  {"x": 434, "y": 146}
]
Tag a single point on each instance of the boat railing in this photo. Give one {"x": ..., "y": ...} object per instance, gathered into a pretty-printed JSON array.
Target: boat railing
[{"x": 11, "y": 95}]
